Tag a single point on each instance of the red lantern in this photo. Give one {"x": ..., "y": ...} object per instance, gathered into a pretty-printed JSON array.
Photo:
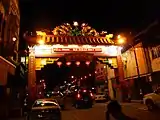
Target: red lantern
[
  {"x": 87, "y": 62},
  {"x": 59, "y": 63},
  {"x": 68, "y": 63},
  {"x": 78, "y": 63}
]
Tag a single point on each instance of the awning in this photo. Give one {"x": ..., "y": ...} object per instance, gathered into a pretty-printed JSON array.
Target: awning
[
  {"x": 10, "y": 67},
  {"x": 78, "y": 40},
  {"x": 5, "y": 68}
]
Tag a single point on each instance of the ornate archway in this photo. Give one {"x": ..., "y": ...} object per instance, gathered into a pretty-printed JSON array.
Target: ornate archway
[{"x": 65, "y": 41}]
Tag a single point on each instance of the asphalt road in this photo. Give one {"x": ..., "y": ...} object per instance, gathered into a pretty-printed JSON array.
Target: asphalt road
[{"x": 135, "y": 110}]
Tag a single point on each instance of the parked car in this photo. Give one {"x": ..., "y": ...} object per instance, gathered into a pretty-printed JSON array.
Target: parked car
[
  {"x": 83, "y": 98},
  {"x": 152, "y": 100},
  {"x": 47, "y": 109}
]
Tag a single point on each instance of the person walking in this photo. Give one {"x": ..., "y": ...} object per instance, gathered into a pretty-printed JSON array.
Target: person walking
[{"x": 115, "y": 110}]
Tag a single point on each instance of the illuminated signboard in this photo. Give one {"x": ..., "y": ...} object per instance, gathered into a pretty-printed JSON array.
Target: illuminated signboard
[{"x": 77, "y": 49}]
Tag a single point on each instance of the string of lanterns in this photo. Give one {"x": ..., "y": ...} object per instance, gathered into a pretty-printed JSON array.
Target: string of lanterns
[
  {"x": 59, "y": 63},
  {"x": 81, "y": 78}
]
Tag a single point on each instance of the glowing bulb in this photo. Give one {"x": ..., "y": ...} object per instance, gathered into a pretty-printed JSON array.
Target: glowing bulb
[
  {"x": 75, "y": 23},
  {"x": 14, "y": 38},
  {"x": 119, "y": 36},
  {"x": 41, "y": 42},
  {"x": 78, "y": 63},
  {"x": 68, "y": 63}
]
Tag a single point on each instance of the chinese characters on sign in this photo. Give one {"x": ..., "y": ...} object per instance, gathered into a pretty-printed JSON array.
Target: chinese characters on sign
[{"x": 77, "y": 49}]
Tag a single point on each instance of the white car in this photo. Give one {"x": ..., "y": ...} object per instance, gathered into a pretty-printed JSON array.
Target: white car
[
  {"x": 100, "y": 97},
  {"x": 152, "y": 100}
]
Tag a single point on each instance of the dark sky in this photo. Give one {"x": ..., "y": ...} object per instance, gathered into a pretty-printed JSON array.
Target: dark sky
[{"x": 110, "y": 15}]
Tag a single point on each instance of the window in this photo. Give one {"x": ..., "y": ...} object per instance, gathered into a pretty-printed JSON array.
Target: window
[
  {"x": 158, "y": 90},
  {"x": 43, "y": 103},
  {"x": 155, "y": 52}
]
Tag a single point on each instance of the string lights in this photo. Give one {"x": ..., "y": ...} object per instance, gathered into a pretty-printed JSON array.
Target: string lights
[{"x": 59, "y": 63}]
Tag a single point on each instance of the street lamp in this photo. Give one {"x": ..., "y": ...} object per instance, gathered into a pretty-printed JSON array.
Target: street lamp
[{"x": 120, "y": 39}]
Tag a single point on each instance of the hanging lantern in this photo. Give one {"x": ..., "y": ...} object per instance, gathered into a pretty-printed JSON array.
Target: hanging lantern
[
  {"x": 87, "y": 63},
  {"x": 78, "y": 63},
  {"x": 59, "y": 63},
  {"x": 68, "y": 63},
  {"x": 90, "y": 75}
]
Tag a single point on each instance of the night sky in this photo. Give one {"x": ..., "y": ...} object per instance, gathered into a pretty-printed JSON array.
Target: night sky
[
  {"x": 110, "y": 15},
  {"x": 114, "y": 16}
]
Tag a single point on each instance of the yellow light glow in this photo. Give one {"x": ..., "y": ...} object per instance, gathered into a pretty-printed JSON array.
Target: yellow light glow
[
  {"x": 121, "y": 41},
  {"x": 40, "y": 33},
  {"x": 41, "y": 42},
  {"x": 119, "y": 36},
  {"x": 43, "y": 62}
]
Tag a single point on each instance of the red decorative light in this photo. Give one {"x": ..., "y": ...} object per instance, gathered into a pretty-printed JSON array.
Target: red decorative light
[
  {"x": 59, "y": 63},
  {"x": 68, "y": 63},
  {"x": 87, "y": 62},
  {"x": 78, "y": 63},
  {"x": 78, "y": 96},
  {"x": 84, "y": 90},
  {"x": 90, "y": 75}
]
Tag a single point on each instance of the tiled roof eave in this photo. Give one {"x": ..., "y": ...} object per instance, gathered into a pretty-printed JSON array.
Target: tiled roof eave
[{"x": 71, "y": 40}]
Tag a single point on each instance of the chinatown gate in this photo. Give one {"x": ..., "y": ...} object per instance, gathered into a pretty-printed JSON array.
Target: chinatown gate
[{"x": 46, "y": 49}]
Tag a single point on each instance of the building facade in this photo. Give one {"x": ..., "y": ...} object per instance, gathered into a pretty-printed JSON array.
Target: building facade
[
  {"x": 154, "y": 53},
  {"x": 9, "y": 40},
  {"x": 136, "y": 75},
  {"x": 141, "y": 64},
  {"x": 10, "y": 27}
]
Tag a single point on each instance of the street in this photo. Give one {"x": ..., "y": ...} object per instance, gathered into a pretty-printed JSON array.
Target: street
[{"x": 135, "y": 110}]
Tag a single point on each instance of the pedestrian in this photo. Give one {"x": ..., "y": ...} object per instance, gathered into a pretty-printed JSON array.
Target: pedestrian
[{"x": 115, "y": 110}]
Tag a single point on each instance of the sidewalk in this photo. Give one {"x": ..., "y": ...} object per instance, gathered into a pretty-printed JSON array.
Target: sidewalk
[
  {"x": 23, "y": 118},
  {"x": 136, "y": 101}
]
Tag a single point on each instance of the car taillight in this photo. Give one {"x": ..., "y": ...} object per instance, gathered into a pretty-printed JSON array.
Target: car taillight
[
  {"x": 91, "y": 94},
  {"x": 78, "y": 96}
]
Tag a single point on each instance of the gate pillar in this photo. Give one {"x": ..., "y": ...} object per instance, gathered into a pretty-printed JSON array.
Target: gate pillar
[
  {"x": 31, "y": 74},
  {"x": 120, "y": 77}
]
